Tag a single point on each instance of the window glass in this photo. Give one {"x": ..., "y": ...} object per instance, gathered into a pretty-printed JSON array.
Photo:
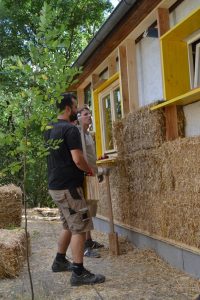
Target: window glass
[
  {"x": 107, "y": 117},
  {"x": 194, "y": 63},
  {"x": 88, "y": 96},
  {"x": 117, "y": 104}
]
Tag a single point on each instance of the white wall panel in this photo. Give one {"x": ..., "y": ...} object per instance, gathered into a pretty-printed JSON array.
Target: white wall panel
[
  {"x": 185, "y": 8},
  {"x": 192, "y": 119},
  {"x": 149, "y": 71}
]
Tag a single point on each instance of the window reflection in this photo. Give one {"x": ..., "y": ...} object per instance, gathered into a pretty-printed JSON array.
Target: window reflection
[
  {"x": 107, "y": 115},
  {"x": 117, "y": 104}
]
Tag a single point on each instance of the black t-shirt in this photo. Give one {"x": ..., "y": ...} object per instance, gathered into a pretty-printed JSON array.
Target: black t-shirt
[{"x": 62, "y": 171}]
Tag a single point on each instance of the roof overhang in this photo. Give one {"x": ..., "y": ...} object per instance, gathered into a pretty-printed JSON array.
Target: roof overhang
[{"x": 124, "y": 19}]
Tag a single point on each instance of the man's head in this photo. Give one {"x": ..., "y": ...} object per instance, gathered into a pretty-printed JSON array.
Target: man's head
[
  {"x": 67, "y": 107},
  {"x": 85, "y": 116}
]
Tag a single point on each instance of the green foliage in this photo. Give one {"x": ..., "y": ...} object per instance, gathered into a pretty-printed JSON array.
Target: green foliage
[
  {"x": 34, "y": 78},
  {"x": 19, "y": 23}
]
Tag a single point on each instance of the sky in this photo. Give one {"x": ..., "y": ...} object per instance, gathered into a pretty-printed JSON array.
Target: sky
[{"x": 114, "y": 2}]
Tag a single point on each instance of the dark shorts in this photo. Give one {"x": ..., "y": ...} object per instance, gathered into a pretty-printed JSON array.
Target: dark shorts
[{"x": 70, "y": 202}]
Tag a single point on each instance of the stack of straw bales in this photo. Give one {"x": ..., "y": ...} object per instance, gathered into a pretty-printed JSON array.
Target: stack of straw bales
[
  {"x": 155, "y": 186},
  {"x": 12, "y": 252},
  {"x": 12, "y": 241},
  {"x": 10, "y": 206}
]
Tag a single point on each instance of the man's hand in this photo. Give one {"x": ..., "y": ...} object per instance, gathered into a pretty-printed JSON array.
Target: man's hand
[
  {"x": 91, "y": 173},
  {"x": 100, "y": 178}
]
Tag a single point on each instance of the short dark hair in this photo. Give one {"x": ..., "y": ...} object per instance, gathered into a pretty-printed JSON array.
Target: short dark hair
[{"x": 67, "y": 100}]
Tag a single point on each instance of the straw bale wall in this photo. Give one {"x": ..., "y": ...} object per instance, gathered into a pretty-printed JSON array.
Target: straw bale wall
[
  {"x": 10, "y": 206},
  {"x": 12, "y": 252},
  {"x": 155, "y": 185}
]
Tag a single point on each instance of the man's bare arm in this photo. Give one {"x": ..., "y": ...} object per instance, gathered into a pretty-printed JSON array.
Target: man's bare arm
[{"x": 80, "y": 162}]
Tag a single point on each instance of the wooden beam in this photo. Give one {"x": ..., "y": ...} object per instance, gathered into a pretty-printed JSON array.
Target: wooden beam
[
  {"x": 171, "y": 111},
  {"x": 163, "y": 20},
  {"x": 98, "y": 83},
  {"x": 171, "y": 123},
  {"x": 80, "y": 96},
  {"x": 111, "y": 66},
  {"x": 132, "y": 75},
  {"x": 95, "y": 79},
  {"x": 123, "y": 75}
]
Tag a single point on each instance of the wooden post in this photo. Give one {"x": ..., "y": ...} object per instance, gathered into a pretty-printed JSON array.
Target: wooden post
[
  {"x": 111, "y": 66},
  {"x": 170, "y": 111},
  {"x": 113, "y": 237},
  {"x": 123, "y": 75},
  {"x": 80, "y": 96},
  {"x": 132, "y": 75},
  {"x": 95, "y": 79}
]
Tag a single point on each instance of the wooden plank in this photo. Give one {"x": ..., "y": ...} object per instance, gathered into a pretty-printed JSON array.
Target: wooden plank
[
  {"x": 163, "y": 20},
  {"x": 80, "y": 96},
  {"x": 187, "y": 98},
  {"x": 125, "y": 26},
  {"x": 95, "y": 79},
  {"x": 170, "y": 112},
  {"x": 123, "y": 75},
  {"x": 111, "y": 66},
  {"x": 113, "y": 237},
  {"x": 132, "y": 75},
  {"x": 175, "y": 68},
  {"x": 171, "y": 123},
  {"x": 98, "y": 83},
  {"x": 154, "y": 236}
]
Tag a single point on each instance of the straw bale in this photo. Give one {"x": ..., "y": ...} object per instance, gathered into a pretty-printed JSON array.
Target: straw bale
[
  {"x": 10, "y": 206},
  {"x": 180, "y": 217},
  {"x": 148, "y": 171},
  {"x": 142, "y": 129},
  {"x": 184, "y": 162},
  {"x": 119, "y": 192},
  {"x": 12, "y": 252}
]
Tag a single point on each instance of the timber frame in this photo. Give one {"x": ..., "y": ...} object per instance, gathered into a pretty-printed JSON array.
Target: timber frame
[{"x": 120, "y": 44}]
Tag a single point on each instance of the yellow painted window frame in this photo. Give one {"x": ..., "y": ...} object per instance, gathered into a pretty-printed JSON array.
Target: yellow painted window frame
[
  {"x": 96, "y": 93},
  {"x": 175, "y": 64}
]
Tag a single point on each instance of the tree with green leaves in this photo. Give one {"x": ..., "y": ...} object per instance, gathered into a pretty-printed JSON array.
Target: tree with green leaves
[
  {"x": 19, "y": 22},
  {"x": 34, "y": 72}
]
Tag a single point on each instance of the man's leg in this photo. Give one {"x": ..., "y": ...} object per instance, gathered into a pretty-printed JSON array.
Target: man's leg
[
  {"x": 77, "y": 246},
  {"x": 88, "y": 235},
  {"x": 64, "y": 241},
  {"x": 89, "y": 243},
  {"x": 80, "y": 275},
  {"x": 60, "y": 263}
]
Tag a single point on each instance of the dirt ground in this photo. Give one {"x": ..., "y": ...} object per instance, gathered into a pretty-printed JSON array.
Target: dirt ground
[{"x": 135, "y": 274}]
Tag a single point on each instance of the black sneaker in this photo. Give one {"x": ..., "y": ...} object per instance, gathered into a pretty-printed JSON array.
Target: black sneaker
[
  {"x": 93, "y": 244},
  {"x": 86, "y": 278},
  {"x": 61, "y": 266},
  {"x": 91, "y": 253}
]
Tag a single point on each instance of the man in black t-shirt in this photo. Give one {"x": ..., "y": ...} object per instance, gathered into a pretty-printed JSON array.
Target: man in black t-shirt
[{"x": 66, "y": 167}]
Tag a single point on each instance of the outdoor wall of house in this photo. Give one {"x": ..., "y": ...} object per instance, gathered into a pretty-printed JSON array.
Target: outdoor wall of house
[
  {"x": 192, "y": 119},
  {"x": 149, "y": 71},
  {"x": 182, "y": 10},
  {"x": 191, "y": 111},
  {"x": 156, "y": 184}
]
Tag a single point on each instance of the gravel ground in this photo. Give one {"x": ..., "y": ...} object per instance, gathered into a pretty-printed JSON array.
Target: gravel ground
[{"x": 135, "y": 274}]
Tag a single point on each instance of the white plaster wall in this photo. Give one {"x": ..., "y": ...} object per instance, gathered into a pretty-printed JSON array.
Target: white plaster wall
[
  {"x": 149, "y": 71},
  {"x": 185, "y": 8},
  {"x": 192, "y": 118}
]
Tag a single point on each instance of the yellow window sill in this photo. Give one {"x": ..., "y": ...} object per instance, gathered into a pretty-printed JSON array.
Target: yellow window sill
[
  {"x": 187, "y": 98},
  {"x": 107, "y": 161}
]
